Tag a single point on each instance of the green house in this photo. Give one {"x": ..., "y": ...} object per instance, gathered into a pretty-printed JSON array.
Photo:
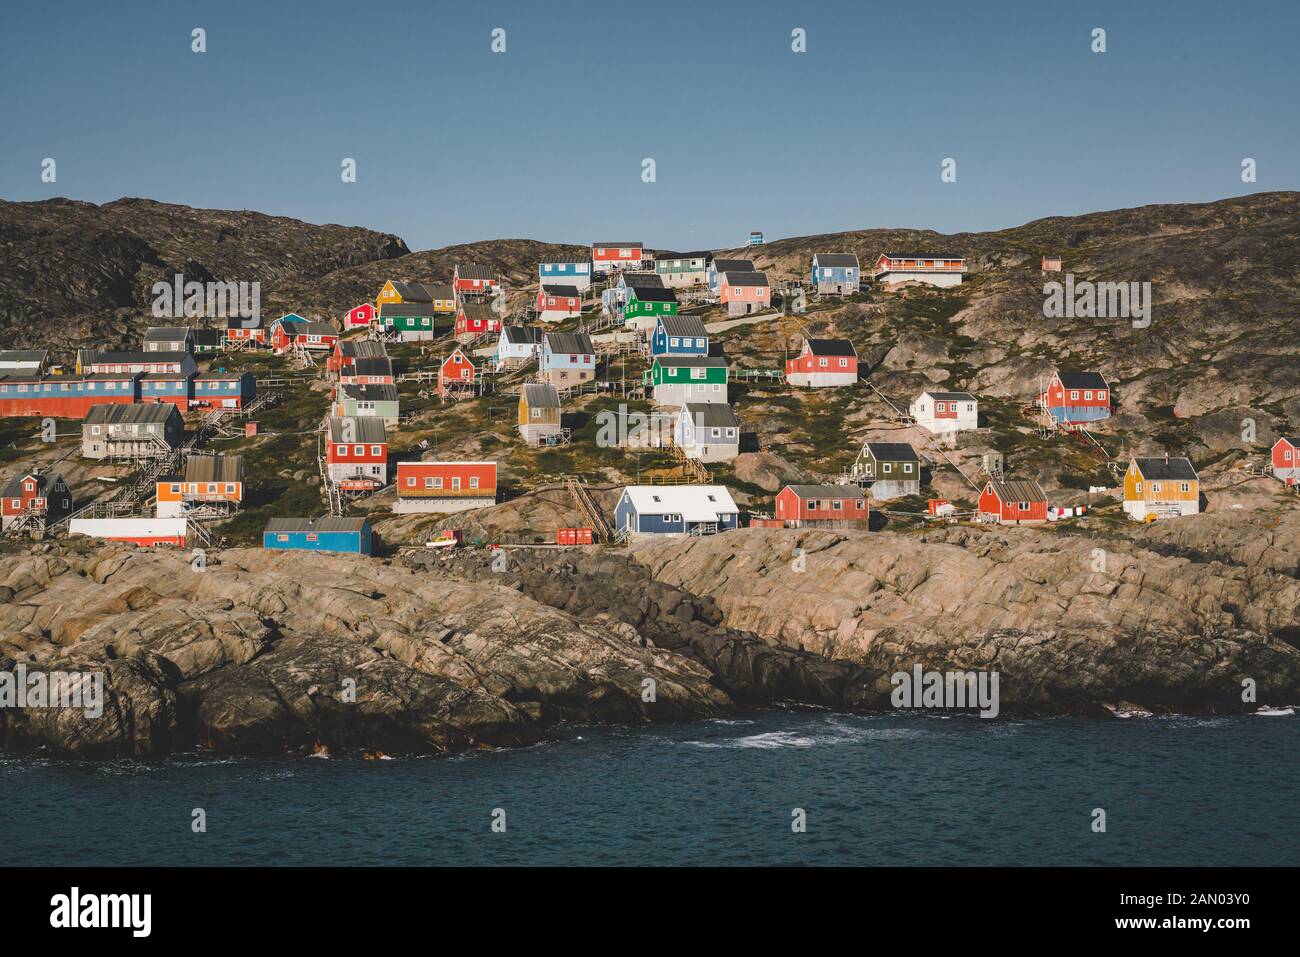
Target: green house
[
  {"x": 410, "y": 320},
  {"x": 677, "y": 380},
  {"x": 645, "y": 305}
]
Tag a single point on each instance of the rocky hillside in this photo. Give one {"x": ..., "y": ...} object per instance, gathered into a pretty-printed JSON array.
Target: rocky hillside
[{"x": 76, "y": 273}]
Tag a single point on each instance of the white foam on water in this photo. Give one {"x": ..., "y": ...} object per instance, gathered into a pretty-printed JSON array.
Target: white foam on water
[{"x": 1269, "y": 712}]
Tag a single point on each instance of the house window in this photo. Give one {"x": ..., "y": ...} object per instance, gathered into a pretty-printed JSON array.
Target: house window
[
  {"x": 1185, "y": 487},
  {"x": 1155, "y": 488},
  {"x": 844, "y": 363},
  {"x": 1022, "y": 507},
  {"x": 455, "y": 482},
  {"x": 907, "y": 468},
  {"x": 376, "y": 450},
  {"x": 822, "y": 362},
  {"x": 1101, "y": 395},
  {"x": 886, "y": 468},
  {"x": 410, "y": 482},
  {"x": 1137, "y": 487},
  {"x": 837, "y": 505},
  {"x": 812, "y": 505},
  {"x": 281, "y": 538},
  {"x": 428, "y": 482},
  {"x": 861, "y": 504},
  {"x": 1087, "y": 395},
  {"x": 1074, "y": 395},
  {"x": 473, "y": 481},
  {"x": 358, "y": 450}
]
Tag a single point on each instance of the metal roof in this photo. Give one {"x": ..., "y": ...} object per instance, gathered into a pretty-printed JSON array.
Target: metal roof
[
  {"x": 1018, "y": 490},
  {"x": 746, "y": 278},
  {"x": 372, "y": 365},
  {"x": 733, "y": 265},
  {"x": 561, "y": 290},
  {"x": 137, "y": 413},
  {"x": 541, "y": 395},
  {"x": 389, "y": 310},
  {"x": 693, "y": 362},
  {"x": 643, "y": 280},
  {"x": 44, "y": 480},
  {"x": 653, "y": 293},
  {"x": 214, "y": 468},
  {"x": 950, "y": 396},
  {"x": 325, "y": 523},
  {"x": 523, "y": 335},
  {"x": 371, "y": 392},
  {"x": 689, "y": 326},
  {"x": 835, "y": 259},
  {"x": 475, "y": 271},
  {"x": 827, "y": 491},
  {"x": 695, "y": 503},
  {"x": 362, "y": 348},
  {"x": 714, "y": 415},
  {"x": 573, "y": 343},
  {"x": 367, "y": 428}
]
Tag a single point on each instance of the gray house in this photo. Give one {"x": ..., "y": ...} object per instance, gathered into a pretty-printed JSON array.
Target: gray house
[
  {"x": 140, "y": 430},
  {"x": 539, "y": 411},
  {"x": 708, "y": 431}
]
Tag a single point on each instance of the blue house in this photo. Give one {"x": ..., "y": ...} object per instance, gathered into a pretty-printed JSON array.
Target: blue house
[
  {"x": 329, "y": 533},
  {"x": 567, "y": 359},
  {"x": 174, "y": 387},
  {"x": 835, "y": 274},
  {"x": 679, "y": 336},
  {"x": 565, "y": 271},
  {"x": 718, "y": 266},
  {"x": 675, "y": 510}
]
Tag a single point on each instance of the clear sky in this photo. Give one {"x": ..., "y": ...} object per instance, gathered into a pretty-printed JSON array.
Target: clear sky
[{"x": 456, "y": 143}]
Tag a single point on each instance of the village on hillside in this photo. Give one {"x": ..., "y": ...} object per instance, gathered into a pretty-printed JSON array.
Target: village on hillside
[{"x": 621, "y": 396}]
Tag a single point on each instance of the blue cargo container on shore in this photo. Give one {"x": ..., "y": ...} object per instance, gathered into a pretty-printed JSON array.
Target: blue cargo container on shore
[{"x": 329, "y": 533}]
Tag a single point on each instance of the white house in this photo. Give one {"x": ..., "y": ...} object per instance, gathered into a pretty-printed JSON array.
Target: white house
[
  {"x": 516, "y": 346},
  {"x": 945, "y": 411},
  {"x": 708, "y": 431}
]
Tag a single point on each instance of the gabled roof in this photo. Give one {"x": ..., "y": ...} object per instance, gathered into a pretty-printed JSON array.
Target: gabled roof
[
  {"x": 44, "y": 481},
  {"x": 566, "y": 259},
  {"x": 478, "y": 311},
  {"x": 214, "y": 468},
  {"x": 24, "y": 356},
  {"x": 541, "y": 395},
  {"x": 1167, "y": 468},
  {"x": 892, "y": 452},
  {"x": 168, "y": 333},
  {"x": 301, "y": 327},
  {"x": 733, "y": 265},
  {"x": 128, "y": 358},
  {"x": 953, "y": 259},
  {"x": 950, "y": 396},
  {"x": 830, "y": 347},
  {"x": 402, "y": 310},
  {"x": 362, "y": 348},
  {"x": 615, "y": 245},
  {"x": 652, "y": 293},
  {"x": 664, "y": 254},
  {"x": 827, "y": 491},
  {"x": 746, "y": 278},
  {"x": 688, "y": 326},
  {"x": 475, "y": 271},
  {"x": 326, "y": 523},
  {"x": 573, "y": 343},
  {"x": 1292, "y": 440},
  {"x": 691, "y": 362},
  {"x": 372, "y": 365},
  {"x": 695, "y": 503},
  {"x": 522, "y": 335},
  {"x": 139, "y": 413},
  {"x": 714, "y": 415},
  {"x": 643, "y": 280},
  {"x": 413, "y": 291},
  {"x": 452, "y": 357},
  {"x": 835, "y": 259},
  {"x": 1082, "y": 380},
  {"x": 571, "y": 291},
  {"x": 367, "y": 428},
  {"x": 371, "y": 392},
  {"x": 1018, "y": 490}
]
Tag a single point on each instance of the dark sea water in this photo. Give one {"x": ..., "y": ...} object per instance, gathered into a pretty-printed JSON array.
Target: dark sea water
[{"x": 881, "y": 789}]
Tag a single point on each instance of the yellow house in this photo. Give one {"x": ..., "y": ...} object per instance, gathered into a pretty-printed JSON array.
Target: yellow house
[
  {"x": 441, "y": 298},
  {"x": 539, "y": 411},
  {"x": 1161, "y": 487}
]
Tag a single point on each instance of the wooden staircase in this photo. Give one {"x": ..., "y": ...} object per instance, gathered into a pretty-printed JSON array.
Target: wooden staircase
[{"x": 600, "y": 529}]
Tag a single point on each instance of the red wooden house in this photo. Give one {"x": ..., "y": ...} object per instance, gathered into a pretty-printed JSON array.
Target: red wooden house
[
  {"x": 445, "y": 486},
  {"x": 558, "y": 302},
  {"x": 474, "y": 319},
  {"x": 1076, "y": 398},
  {"x": 1285, "y": 458},
  {"x": 824, "y": 363},
  {"x": 831, "y": 506},
  {"x": 237, "y": 332},
  {"x": 347, "y": 351},
  {"x": 473, "y": 280},
  {"x": 456, "y": 375},
  {"x": 1012, "y": 502},
  {"x": 356, "y": 452},
  {"x": 38, "y": 495},
  {"x": 376, "y": 370},
  {"x": 607, "y": 256},
  {"x": 360, "y": 316},
  {"x": 292, "y": 331}
]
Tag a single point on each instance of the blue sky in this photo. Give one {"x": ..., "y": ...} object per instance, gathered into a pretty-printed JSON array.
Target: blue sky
[{"x": 455, "y": 143}]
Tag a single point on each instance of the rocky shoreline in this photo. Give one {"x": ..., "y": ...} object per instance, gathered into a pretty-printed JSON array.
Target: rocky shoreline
[{"x": 263, "y": 653}]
